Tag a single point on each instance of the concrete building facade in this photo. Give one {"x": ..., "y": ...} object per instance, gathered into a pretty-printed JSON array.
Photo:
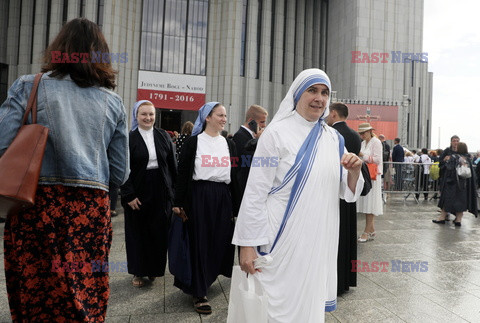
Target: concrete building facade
[
  {"x": 182, "y": 53},
  {"x": 375, "y": 58}
]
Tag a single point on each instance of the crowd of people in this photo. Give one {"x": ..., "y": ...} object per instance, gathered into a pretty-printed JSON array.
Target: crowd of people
[
  {"x": 299, "y": 208},
  {"x": 451, "y": 174}
]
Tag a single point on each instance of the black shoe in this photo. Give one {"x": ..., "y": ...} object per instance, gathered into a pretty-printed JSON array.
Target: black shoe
[
  {"x": 457, "y": 224},
  {"x": 439, "y": 221},
  {"x": 113, "y": 213},
  {"x": 2, "y": 220},
  {"x": 202, "y": 306}
]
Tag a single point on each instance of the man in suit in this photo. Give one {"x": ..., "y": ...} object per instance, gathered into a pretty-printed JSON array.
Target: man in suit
[
  {"x": 245, "y": 144},
  {"x": 398, "y": 155},
  {"x": 347, "y": 241},
  {"x": 336, "y": 119}
]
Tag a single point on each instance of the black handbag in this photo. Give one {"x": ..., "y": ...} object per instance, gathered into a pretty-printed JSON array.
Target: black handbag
[
  {"x": 179, "y": 262},
  {"x": 367, "y": 186}
]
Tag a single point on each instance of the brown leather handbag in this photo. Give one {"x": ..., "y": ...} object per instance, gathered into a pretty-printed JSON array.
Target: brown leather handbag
[{"x": 21, "y": 163}]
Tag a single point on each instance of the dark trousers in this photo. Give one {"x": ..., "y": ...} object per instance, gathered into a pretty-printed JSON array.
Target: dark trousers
[
  {"x": 398, "y": 177},
  {"x": 422, "y": 183}
]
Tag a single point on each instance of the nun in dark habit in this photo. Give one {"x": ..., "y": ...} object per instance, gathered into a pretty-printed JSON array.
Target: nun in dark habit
[
  {"x": 203, "y": 197},
  {"x": 147, "y": 195}
]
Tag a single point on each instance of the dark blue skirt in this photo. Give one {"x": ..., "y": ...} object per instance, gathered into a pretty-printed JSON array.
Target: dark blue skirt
[{"x": 210, "y": 227}]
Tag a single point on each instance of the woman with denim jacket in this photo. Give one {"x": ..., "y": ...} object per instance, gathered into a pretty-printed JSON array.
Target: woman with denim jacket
[{"x": 56, "y": 252}]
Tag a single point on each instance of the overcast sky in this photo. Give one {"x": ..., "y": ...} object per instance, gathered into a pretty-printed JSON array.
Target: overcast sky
[{"x": 452, "y": 39}]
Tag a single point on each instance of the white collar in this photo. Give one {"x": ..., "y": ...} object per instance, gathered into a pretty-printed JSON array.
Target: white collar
[
  {"x": 250, "y": 131},
  {"x": 145, "y": 132},
  {"x": 302, "y": 120}
]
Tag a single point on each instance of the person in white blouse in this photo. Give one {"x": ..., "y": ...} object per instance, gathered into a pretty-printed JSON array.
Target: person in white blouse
[
  {"x": 408, "y": 157},
  {"x": 424, "y": 174},
  {"x": 203, "y": 199},
  {"x": 371, "y": 204},
  {"x": 147, "y": 195}
]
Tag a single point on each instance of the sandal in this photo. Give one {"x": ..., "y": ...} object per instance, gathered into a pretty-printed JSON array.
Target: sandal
[
  {"x": 201, "y": 305},
  {"x": 369, "y": 237},
  {"x": 138, "y": 281}
]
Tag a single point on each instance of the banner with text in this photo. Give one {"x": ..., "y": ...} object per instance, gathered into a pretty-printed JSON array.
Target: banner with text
[{"x": 172, "y": 91}]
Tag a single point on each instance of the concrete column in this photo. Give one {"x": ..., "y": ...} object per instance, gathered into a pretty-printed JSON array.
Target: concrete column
[
  {"x": 131, "y": 46},
  {"x": 276, "y": 90},
  {"x": 289, "y": 43},
  {"x": 308, "y": 28},
  {"x": 73, "y": 9},
  {"x": 315, "y": 37},
  {"x": 25, "y": 43},
  {"x": 39, "y": 38},
  {"x": 91, "y": 10},
  {"x": 55, "y": 19},
  {"x": 265, "y": 84},
  {"x": 299, "y": 38}
]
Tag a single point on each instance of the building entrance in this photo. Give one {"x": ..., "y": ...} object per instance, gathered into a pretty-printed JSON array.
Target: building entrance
[{"x": 170, "y": 120}]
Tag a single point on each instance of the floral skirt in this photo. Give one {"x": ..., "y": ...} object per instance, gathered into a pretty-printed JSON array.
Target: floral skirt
[{"x": 54, "y": 253}]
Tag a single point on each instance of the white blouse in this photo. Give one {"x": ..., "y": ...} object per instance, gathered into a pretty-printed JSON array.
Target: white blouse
[
  {"x": 212, "y": 159},
  {"x": 147, "y": 136},
  {"x": 373, "y": 152}
]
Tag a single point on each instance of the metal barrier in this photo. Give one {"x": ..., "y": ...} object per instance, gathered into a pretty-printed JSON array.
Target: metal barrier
[{"x": 411, "y": 179}]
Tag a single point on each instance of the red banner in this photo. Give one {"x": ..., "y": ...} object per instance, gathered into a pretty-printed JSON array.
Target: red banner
[
  {"x": 172, "y": 100},
  {"x": 384, "y": 118}
]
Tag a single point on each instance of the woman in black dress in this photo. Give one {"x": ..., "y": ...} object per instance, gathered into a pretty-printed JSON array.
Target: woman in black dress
[
  {"x": 458, "y": 194},
  {"x": 147, "y": 195},
  {"x": 203, "y": 194},
  {"x": 186, "y": 133}
]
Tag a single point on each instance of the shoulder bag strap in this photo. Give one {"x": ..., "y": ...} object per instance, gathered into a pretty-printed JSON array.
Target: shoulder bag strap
[{"x": 32, "y": 101}]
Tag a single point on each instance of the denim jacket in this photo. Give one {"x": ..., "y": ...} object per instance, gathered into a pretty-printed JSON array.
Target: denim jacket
[{"x": 87, "y": 143}]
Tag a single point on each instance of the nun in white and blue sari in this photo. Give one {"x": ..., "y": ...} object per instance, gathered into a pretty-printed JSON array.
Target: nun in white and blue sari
[{"x": 290, "y": 208}]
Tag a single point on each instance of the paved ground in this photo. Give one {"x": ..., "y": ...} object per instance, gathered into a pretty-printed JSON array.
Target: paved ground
[{"x": 448, "y": 291}]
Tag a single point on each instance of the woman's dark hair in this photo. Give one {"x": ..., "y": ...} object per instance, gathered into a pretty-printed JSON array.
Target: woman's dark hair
[
  {"x": 71, "y": 53},
  {"x": 462, "y": 148},
  {"x": 210, "y": 114},
  {"x": 187, "y": 128}
]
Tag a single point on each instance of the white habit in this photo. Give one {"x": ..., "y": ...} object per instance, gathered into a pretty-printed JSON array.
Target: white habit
[{"x": 301, "y": 282}]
